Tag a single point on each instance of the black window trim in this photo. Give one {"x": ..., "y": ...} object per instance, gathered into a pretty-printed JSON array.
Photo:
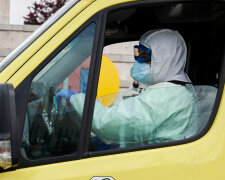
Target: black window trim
[
  {"x": 93, "y": 83},
  {"x": 24, "y": 95},
  {"x": 88, "y": 154}
]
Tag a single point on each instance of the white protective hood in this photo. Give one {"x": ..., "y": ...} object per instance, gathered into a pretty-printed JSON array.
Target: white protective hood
[{"x": 168, "y": 55}]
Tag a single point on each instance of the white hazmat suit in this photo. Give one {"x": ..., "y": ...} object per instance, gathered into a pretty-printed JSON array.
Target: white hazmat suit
[{"x": 165, "y": 111}]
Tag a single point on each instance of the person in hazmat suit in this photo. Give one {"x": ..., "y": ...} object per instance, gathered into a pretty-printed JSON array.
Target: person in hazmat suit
[{"x": 165, "y": 111}]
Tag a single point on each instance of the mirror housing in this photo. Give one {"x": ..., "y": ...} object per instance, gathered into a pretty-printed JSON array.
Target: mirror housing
[{"x": 8, "y": 127}]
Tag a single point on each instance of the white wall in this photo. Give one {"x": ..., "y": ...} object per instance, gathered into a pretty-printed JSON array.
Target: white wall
[
  {"x": 12, "y": 36},
  {"x": 4, "y": 11}
]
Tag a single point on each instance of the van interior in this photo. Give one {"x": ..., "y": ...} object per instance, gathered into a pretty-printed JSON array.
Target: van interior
[{"x": 202, "y": 25}]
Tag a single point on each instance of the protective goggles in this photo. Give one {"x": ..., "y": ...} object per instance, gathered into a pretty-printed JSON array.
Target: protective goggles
[{"x": 142, "y": 54}]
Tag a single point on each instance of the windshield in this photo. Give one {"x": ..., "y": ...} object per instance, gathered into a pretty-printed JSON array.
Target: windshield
[{"x": 36, "y": 34}]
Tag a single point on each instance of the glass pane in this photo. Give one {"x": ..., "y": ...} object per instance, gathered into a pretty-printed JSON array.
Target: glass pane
[{"x": 52, "y": 126}]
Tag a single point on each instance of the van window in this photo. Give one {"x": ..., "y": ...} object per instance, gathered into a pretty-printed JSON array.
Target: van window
[
  {"x": 52, "y": 127},
  {"x": 169, "y": 98}
]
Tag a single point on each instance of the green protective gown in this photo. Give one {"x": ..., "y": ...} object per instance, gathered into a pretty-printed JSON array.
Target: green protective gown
[{"x": 163, "y": 112}]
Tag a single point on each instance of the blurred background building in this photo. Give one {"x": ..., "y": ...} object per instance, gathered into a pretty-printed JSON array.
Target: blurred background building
[{"x": 12, "y": 30}]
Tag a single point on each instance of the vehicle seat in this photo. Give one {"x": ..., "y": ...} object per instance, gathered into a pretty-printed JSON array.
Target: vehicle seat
[{"x": 206, "y": 96}]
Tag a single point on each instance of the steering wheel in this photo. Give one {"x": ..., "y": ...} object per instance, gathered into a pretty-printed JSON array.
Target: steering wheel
[{"x": 67, "y": 127}]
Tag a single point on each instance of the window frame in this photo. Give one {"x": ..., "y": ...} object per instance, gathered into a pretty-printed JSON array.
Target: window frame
[
  {"x": 22, "y": 93},
  {"x": 23, "y": 90},
  {"x": 221, "y": 81}
]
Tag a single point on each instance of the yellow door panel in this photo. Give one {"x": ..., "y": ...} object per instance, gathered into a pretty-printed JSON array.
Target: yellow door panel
[{"x": 201, "y": 159}]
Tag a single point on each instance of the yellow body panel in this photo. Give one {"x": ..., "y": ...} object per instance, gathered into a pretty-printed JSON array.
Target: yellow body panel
[{"x": 201, "y": 159}]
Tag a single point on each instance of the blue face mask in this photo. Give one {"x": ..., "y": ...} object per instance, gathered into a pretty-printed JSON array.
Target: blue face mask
[{"x": 140, "y": 72}]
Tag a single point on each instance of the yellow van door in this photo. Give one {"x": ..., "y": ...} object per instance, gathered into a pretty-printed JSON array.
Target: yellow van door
[{"x": 82, "y": 116}]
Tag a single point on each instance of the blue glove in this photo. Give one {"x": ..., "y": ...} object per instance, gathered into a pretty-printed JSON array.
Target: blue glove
[
  {"x": 101, "y": 146},
  {"x": 65, "y": 93}
]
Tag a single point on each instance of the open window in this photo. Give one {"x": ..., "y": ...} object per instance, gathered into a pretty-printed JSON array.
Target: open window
[{"x": 119, "y": 121}]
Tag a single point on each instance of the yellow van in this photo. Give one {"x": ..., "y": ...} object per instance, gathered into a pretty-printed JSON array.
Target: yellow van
[{"x": 84, "y": 48}]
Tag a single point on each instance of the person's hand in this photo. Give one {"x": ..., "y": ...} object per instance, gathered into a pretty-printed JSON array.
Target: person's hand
[{"x": 65, "y": 93}]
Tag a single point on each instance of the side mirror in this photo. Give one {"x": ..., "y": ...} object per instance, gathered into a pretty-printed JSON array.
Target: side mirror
[{"x": 8, "y": 127}]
